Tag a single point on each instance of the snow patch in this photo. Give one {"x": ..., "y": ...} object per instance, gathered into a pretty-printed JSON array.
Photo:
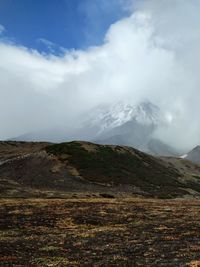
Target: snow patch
[
  {"x": 184, "y": 156},
  {"x": 109, "y": 117}
]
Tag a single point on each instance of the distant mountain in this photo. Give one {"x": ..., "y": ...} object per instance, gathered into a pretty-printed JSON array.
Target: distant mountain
[
  {"x": 62, "y": 170},
  {"x": 193, "y": 155},
  {"x": 123, "y": 124},
  {"x": 117, "y": 124},
  {"x": 158, "y": 148},
  {"x": 108, "y": 117}
]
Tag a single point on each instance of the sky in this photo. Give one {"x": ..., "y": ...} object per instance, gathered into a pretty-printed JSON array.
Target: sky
[
  {"x": 51, "y": 25},
  {"x": 59, "y": 59}
]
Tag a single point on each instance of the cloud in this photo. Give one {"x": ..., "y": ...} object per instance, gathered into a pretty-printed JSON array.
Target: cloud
[
  {"x": 46, "y": 42},
  {"x": 2, "y": 28},
  {"x": 152, "y": 54},
  {"x": 51, "y": 47}
]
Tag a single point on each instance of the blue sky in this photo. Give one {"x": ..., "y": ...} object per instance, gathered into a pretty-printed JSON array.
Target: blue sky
[{"x": 47, "y": 25}]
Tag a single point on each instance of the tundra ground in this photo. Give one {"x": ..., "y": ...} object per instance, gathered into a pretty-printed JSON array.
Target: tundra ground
[{"x": 99, "y": 232}]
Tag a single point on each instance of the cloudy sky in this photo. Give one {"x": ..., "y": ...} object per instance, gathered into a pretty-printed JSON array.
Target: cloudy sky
[{"x": 59, "y": 59}]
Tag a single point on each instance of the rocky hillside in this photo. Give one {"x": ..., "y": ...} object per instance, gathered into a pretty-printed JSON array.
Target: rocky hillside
[{"x": 67, "y": 169}]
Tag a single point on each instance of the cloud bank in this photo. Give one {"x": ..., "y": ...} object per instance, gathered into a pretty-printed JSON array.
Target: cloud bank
[{"x": 153, "y": 54}]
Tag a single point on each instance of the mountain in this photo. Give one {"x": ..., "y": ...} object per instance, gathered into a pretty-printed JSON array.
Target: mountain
[
  {"x": 158, "y": 148},
  {"x": 193, "y": 155},
  {"x": 67, "y": 169},
  {"x": 123, "y": 124},
  {"x": 110, "y": 116},
  {"x": 117, "y": 124}
]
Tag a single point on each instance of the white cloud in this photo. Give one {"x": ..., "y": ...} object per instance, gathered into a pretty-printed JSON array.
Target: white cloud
[
  {"x": 153, "y": 54},
  {"x": 2, "y": 28},
  {"x": 46, "y": 42},
  {"x": 51, "y": 47}
]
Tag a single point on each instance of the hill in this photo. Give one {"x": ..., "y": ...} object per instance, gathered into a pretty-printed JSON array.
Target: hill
[{"x": 67, "y": 169}]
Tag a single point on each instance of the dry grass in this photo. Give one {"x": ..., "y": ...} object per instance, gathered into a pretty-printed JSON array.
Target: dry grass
[{"x": 103, "y": 232}]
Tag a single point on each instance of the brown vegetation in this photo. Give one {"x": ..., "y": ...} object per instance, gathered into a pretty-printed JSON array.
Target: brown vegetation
[{"x": 99, "y": 232}]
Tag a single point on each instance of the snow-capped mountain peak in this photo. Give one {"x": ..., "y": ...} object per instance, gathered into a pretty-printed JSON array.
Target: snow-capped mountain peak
[
  {"x": 147, "y": 113},
  {"x": 108, "y": 117}
]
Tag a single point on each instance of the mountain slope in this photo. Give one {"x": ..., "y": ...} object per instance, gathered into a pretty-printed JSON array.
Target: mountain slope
[
  {"x": 193, "y": 155},
  {"x": 158, "y": 148},
  {"x": 59, "y": 170}
]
